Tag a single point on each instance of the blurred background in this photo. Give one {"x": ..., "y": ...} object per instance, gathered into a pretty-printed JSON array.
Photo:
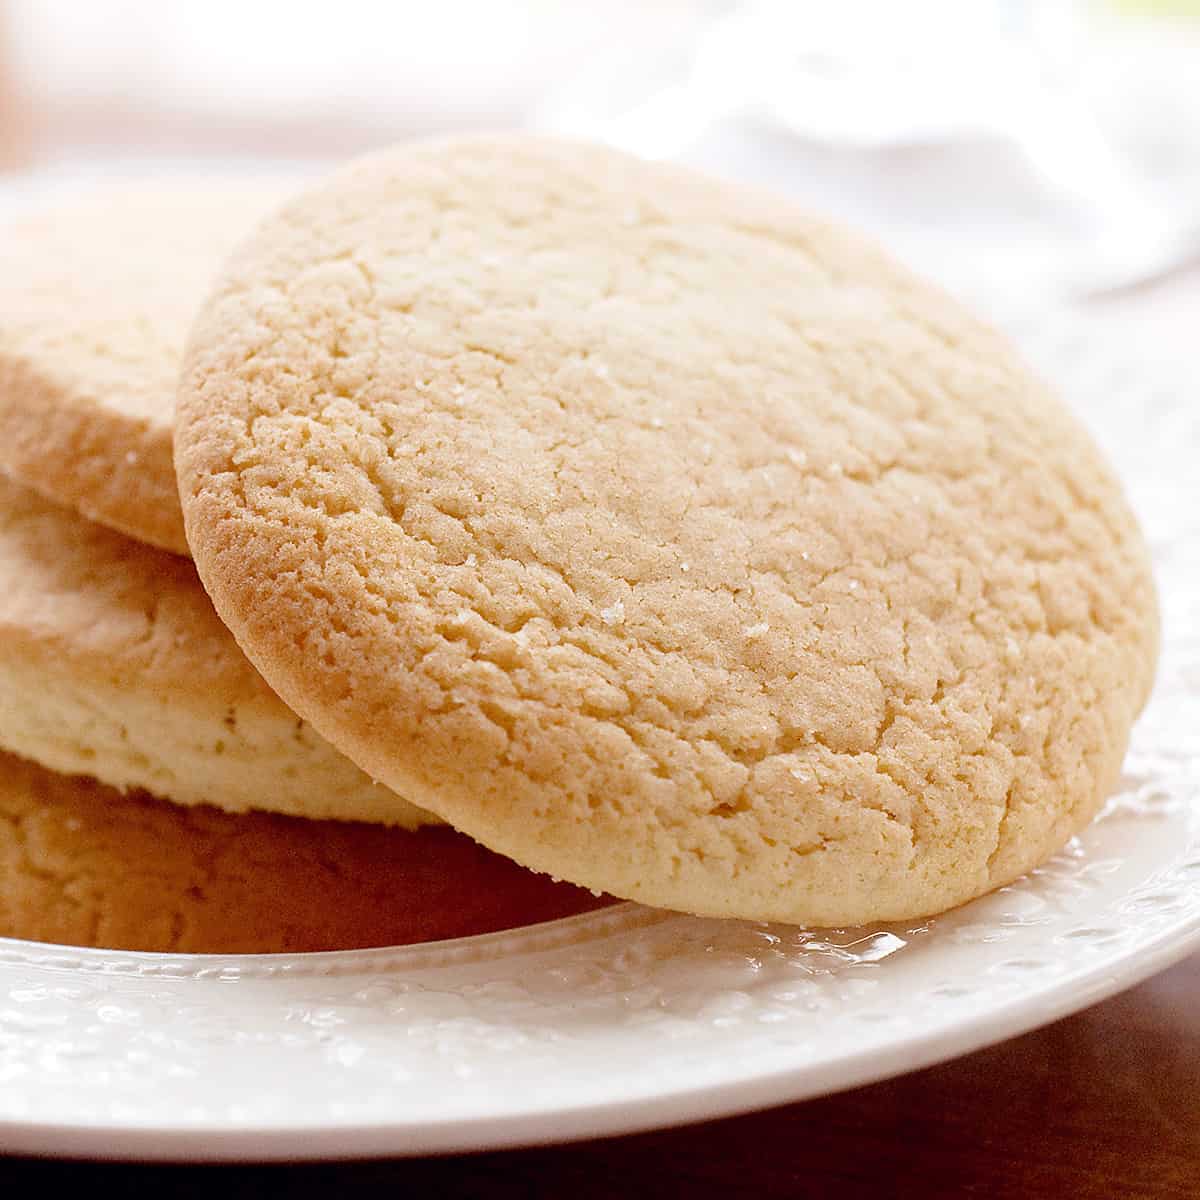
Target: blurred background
[{"x": 1045, "y": 146}]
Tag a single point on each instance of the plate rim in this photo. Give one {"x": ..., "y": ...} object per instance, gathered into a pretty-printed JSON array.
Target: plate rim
[{"x": 334, "y": 1141}]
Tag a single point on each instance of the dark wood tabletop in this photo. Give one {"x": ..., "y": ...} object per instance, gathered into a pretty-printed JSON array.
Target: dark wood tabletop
[{"x": 1105, "y": 1104}]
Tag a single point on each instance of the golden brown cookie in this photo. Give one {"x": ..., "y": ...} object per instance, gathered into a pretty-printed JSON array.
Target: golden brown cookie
[
  {"x": 96, "y": 297},
  {"x": 660, "y": 536},
  {"x": 113, "y": 664},
  {"x": 83, "y": 865}
]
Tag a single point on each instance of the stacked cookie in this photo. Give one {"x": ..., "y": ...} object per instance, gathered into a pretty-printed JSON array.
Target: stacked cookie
[
  {"x": 114, "y": 665},
  {"x": 658, "y": 537}
]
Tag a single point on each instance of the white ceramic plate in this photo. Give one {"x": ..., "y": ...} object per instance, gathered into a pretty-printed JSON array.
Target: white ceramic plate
[{"x": 628, "y": 1018}]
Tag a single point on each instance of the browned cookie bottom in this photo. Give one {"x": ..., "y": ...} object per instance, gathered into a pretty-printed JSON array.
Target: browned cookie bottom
[{"x": 84, "y": 865}]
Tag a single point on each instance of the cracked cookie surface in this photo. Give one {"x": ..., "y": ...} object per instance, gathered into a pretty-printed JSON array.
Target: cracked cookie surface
[
  {"x": 96, "y": 297},
  {"x": 83, "y": 865},
  {"x": 660, "y": 536},
  {"x": 113, "y": 664}
]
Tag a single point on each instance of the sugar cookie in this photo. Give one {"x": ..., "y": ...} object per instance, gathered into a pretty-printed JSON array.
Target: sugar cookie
[
  {"x": 83, "y": 865},
  {"x": 113, "y": 664},
  {"x": 660, "y": 536},
  {"x": 96, "y": 298}
]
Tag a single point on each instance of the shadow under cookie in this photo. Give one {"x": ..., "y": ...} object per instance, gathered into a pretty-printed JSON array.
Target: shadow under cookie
[{"x": 84, "y": 865}]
